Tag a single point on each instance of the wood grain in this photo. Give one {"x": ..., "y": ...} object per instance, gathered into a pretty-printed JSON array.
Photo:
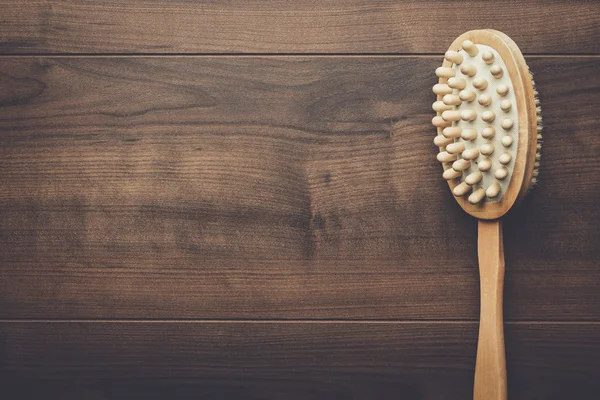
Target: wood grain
[
  {"x": 297, "y": 360},
  {"x": 179, "y": 224},
  {"x": 292, "y": 187},
  {"x": 279, "y": 26}
]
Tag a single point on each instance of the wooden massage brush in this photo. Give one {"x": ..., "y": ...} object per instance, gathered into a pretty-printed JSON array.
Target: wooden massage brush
[{"x": 489, "y": 135}]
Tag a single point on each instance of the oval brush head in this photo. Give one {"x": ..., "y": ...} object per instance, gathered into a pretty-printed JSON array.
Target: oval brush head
[{"x": 488, "y": 119}]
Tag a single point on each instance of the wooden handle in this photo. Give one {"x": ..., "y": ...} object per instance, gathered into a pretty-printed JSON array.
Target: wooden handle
[{"x": 490, "y": 369}]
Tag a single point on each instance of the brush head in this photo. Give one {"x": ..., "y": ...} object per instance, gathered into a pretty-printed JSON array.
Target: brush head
[{"x": 488, "y": 122}]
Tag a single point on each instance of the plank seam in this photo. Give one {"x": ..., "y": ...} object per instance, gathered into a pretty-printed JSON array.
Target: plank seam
[
  {"x": 295, "y": 321},
  {"x": 275, "y": 55}
]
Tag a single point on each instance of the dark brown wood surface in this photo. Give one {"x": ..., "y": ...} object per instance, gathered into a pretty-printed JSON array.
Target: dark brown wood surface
[
  {"x": 299, "y": 187},
  {"x": 297, "y": 360},
  {"x": 281, "y": 26},
  {"x": 176, "y": 224}
]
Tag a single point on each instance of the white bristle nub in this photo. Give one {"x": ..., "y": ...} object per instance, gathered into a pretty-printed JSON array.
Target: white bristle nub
[
  {"x": 497, "y": 71},
  {"x": 507, "y": 141},
  {"x": 461, "y": 189},
  {"x": 470, "y": 154},
  {"x": 488, "y": 132},
  {"x": 477, "y": 196},
  {"x": 452, "y": 132},
  {"x": 469, "y": 70},
  {"x": 502, "y": 90},
  {"x": 505, "y": 158},
  {"x": 470, "y": 48},
  {"x": 451, "y": 115},
  {"x": 444, "y": 156},
  {"x": 439, "y": 122},
  {"x": 441, "y": 141},
  {"x": 505, "y": 105},
  {"x": 487, "y": 149},
  {"x": 461, "y": 164},
  {"x": 480, "y": 83},
  {"x": 467, "y": 95},
  {"x": 450, "y": 174},
  {"x": 507, "y": 123},
  {"x": 452, "y": 100},
  {"x": 469, "y": 134},
  {"x": 493, "y": 190},
  {"x": 455, "y": 148},
  {"x": 468, "y": 115},
  {"x": 485, "y": 164},
  {"x": 473, "y": 178},
  {"x": 488, "y": 116},
  {"x": 440, "y": 106},
  {"x": 445, "y": 72},
  {"x": 454, "y": 57},
  {"x": 501, "y": 173},
  {"x": 487, "y": 57},
  {"x": 441, "y": 89},
  {"x": 485, "y": 100},
  {"x": 457, "y": 83}
]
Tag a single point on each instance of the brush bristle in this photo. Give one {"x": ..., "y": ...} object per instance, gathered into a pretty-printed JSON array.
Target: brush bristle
[{"x": 540, "y": 126}]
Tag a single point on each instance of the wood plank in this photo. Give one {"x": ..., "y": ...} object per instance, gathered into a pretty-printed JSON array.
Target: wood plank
[
  {"x": 291, "y": 187},
  {"x": 279, "y": 26},
  {"x": 293, "y": 360}
]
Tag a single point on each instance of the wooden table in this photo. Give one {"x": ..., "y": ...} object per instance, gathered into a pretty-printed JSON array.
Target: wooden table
[{"x": 241, "y": 200}]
